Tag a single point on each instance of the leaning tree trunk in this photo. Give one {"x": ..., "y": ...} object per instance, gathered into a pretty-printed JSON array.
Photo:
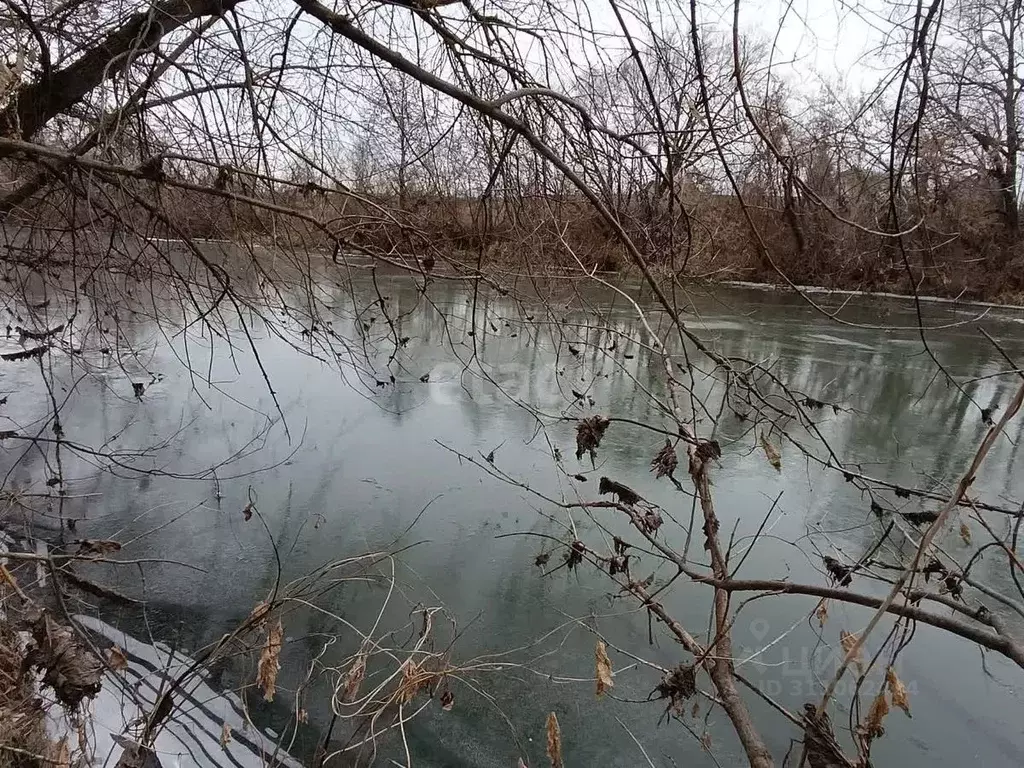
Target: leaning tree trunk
[{"x": 33, "y": 105}]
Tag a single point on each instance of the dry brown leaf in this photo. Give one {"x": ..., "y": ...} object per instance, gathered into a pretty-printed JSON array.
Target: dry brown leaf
[
  {"x": 696, "y": 709},
  {"x": 98, "y": 546},
  {"x": 849, "y": 642},
  {"x": 589, "y": 433},
  {"x": 354, "y": 679},
  {"x": 604, "y": 668},
  {"x": 879, "y": 709},
  {"x": 965, "y": 533},
  {"x": 413, "y": 679},
  {"x": 266, "y": 672},
  {"x": 69, "y": 667},
  {"x": 821, "y": 612},
  {"x": 554, "y": 741},
  {"x": 774, "y": 457},
  {"x": 678, "y": 686},
  {"x": 447, "y": 701},
  {"x": 705, "y": 741},
  {"x": 247, "y": 512},
  {"x": 62, "y": 755},
  {"x": 897, "y": 690},
  {"x": 225, "y": 735},
  {"x": 258, "y": 616},
  {"x": 302, "y": 716},
  {"x": 665, "y": 462},
  {"x": 116, "y": 659}
]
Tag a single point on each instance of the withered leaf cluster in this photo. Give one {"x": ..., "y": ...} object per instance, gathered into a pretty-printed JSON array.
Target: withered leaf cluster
[
  {"x": 823, "y": 751},
  {"x": 839, "y": 574},
  {"x": 920, "y": 518},
  {"x": 665, "y": 461},
  {"x": 651, "y": 521},
  {"x": 603, "y": 668},
  {"x": 574, "y": 556},
  {"x": 623, "y": 493},
  {"x": 678, "y": 686},
  {"x": 589, "y": 433},
  {"x": 68, "y": 666},
  {"x": 707, "y": 450}
]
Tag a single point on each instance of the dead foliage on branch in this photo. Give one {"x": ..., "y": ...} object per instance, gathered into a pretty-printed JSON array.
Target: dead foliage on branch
[
  {"x": 678, "y": 686},
  {"x": 97, "y": 548},
  {"x": 22, "y": 713},
  {"x": 270, "y": 661},
  {"x": 820, "y": 744},
  {"x": 603, "y": 668},
  {"x": 68, "y": 666},
  {"x": 414, "y": 679},
  {"x": 839, "y": 573},
  {"x": 623, "y": 493},
  {"x": 871, "y": 728},
  {"x": 708, "y": 450},
  {"x": 589, "y": 433},
  {"x": 554, "y": 741},
  {"x": 574, "y": 554},
  {"x": 650, "y": 521},
  {"x": 354, "y": 679},
  {"x": 926, "y": 517},
  {"x": 665, "y": 461},
  {"x": 738, "y": 178},
  {"x": 116, "y": 659},
  {"x": 897, "y": 691}
]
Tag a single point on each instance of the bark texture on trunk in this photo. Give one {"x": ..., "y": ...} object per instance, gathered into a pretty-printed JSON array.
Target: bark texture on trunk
[{"x": 33, "y": 105}]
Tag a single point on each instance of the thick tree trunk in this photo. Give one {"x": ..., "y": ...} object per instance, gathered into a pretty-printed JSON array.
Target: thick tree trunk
[
  {"x": 1011, "y": 204},
  {"x": 35, "y": 104}
]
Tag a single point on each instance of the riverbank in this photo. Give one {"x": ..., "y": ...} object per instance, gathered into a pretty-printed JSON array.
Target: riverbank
[
  {"x": 1017, "y": 304},
  {"x": 567, "y": 236}
]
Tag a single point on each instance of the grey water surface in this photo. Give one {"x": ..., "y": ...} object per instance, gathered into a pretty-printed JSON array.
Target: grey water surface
[{"x": 360, "y": 463}]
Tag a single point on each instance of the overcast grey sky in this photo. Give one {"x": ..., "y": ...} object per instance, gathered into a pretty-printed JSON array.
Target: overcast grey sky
[
  {"x": 826, "y": 37},
  {"x": 831, "y": 39}
]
